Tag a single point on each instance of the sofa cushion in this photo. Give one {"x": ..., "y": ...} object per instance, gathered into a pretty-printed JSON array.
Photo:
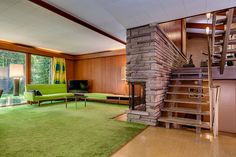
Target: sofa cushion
[{"x": 53, "y": 96}]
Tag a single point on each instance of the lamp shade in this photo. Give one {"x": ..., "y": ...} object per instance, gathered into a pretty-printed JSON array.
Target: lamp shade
[
  {"x": 3, "y": 72},
  {"x": 16, "y": 70}
]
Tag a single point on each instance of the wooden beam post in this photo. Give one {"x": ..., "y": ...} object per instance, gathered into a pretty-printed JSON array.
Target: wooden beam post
[
  {"x": 28, "y": 68},
  {"x": 213, "y": 33}
]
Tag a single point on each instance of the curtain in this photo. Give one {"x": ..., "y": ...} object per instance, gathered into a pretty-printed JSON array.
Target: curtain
[{"x": 59, "y": 71}]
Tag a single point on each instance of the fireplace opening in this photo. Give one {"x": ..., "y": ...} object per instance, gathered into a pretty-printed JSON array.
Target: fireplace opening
[{"x": 137, "y": 96}]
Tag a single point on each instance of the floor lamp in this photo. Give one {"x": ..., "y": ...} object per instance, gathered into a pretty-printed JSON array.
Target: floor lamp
[{"x": 16, "y": 72}]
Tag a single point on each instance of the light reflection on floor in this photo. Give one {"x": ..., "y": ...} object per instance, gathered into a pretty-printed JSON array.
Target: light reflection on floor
[{"x": 161, "y": 142}]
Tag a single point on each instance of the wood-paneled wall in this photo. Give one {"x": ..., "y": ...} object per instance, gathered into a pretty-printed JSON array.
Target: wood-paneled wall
[
  {"x": 70, "y": 75},
  {"x": 227, "y": 105},
  {"x": 28, "y": 50},
  {"x": 173, "y": 30},
  {"x": 103, "y": 73}
]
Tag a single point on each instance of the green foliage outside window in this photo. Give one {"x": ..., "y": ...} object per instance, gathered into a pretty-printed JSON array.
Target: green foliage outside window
[{"x": 41, "y": 68}]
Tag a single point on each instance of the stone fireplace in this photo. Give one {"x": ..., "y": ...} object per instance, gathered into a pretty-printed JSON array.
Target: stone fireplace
[{"x": 150, "y": 58}]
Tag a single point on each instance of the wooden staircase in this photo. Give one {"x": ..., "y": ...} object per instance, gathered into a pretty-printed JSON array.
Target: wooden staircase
[
  {"x": 223, "y": 41},
  {"x": 187, "y": 99}
]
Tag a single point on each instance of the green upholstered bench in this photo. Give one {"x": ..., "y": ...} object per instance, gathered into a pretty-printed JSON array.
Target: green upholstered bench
[
  {"x": 49, "y": 92},
  {"x": 107, "y": 98}
]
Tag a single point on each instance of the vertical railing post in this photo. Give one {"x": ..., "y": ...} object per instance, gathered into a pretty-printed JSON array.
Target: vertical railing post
[
  {"x": 216, "y": 93},
  {"x": 210, "y": 84}
]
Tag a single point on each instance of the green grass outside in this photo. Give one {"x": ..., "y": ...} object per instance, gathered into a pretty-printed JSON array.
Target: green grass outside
[{"x": 54, "y": 131}]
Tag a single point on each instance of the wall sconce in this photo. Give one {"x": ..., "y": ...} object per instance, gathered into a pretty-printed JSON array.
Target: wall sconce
[
  {"x": 207, "y": 30},
  {"x": 208, "y": 15},
  {"x": 16, "y": 72}
]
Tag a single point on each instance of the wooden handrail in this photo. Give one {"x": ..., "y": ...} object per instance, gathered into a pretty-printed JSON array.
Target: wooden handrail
[{"x": 209, "y": 62}]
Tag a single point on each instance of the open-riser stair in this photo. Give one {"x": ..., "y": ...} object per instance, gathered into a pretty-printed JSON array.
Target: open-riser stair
[
  {"x": 224, "y": 41},
  {"x": 187, "y": 99}
]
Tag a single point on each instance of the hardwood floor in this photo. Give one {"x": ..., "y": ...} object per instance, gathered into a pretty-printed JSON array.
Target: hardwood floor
[{"x": 161, "y": 142}]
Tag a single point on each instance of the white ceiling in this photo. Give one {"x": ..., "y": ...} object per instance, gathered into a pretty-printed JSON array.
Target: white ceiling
[
  {"x": 114, "y": 16},
  {"x": 24, "y": 22}
]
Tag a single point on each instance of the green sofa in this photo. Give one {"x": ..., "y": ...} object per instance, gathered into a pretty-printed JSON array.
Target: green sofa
[{"x": 49, "y": 92}]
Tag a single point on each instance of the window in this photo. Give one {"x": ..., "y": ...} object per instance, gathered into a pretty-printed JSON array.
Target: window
[
  {"x": 41, "y": 69},
  {"x": 6, "y": 82}
]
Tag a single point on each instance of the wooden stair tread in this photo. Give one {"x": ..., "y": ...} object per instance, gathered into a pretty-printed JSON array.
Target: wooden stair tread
[
  {"x": 219, "y": 43},
  {"x": 223, "y": 21},
  {"x": 188, "y": 79},
  {"x": 230, "y": 59},
  {"x": 185, "y": 110},
  {"x": 233, "y": 31},
  {"x": 232, "y": 42},
  {"x": 228, "y": 51},
  {"x": 186, "y": 101},
  {"x": 186, "y": 93},
  {"x": 191, "y": 68},
  {"x": 231, "y": 51},
  {"x": 184, "y": 121},
  {"x": 188, "y": 86},
  {"x": 221, "y": 33},
  {"x": 189, "y": 73}
]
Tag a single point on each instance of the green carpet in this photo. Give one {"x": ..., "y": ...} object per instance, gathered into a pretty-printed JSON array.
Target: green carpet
[{"x": 54, "y": 131}]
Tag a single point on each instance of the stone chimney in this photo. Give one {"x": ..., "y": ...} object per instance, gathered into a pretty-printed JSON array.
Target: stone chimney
[{"x": 151, "y": 57}]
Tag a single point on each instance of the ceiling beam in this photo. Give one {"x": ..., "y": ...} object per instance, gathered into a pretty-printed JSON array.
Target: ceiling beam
[
  {"x": 74, "y": 19},
  {"x": 203, "y": 26},
  {"x": 196, "y": 35}
]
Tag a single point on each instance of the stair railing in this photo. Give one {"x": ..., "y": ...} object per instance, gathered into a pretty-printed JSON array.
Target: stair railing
[{"x": 214, "y": 91}]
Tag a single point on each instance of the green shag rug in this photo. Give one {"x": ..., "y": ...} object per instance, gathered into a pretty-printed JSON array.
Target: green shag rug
[{"x": 54, "y": 131}]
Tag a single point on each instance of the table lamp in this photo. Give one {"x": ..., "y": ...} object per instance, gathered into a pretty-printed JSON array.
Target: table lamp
[{"x": 16, "y": 72}]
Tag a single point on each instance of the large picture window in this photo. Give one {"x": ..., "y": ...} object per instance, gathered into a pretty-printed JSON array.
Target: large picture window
[
  {"x": 7, "y": 75},
  {"x": 41, "y": 69}
]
